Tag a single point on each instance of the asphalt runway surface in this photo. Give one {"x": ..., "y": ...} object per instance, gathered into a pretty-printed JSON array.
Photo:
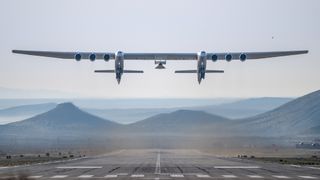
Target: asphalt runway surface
[{"x": 162, "y": 164}]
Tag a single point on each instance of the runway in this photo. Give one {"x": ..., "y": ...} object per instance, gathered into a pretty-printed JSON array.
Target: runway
[{"x": 162, "y": 164}]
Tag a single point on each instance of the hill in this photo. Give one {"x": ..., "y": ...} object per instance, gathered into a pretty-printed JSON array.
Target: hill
[
  {"x": 239, "y": 109},
  {"x": 179, "y": 122},
  {"x": 64, "y": 120},
  {"x": 245, "y": 108},
  {"x": 294, "y": 117}
]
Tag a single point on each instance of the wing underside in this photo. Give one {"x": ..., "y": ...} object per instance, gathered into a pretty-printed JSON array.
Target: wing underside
[
  {"x": 160, "y": 56},
  {"x": 255, "y": 55}
]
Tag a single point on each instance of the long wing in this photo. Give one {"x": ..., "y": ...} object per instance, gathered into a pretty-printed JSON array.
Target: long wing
[
  {"x": 161, "y": 56},
  {"x": 254, "y": 55},
  {"x": 99, "y": 55},
  {"x": 64, "y": 55}
]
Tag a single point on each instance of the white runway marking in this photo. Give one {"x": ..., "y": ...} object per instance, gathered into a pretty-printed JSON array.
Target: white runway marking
[
  {"x": 85, "y": 176},
  {"x": 79, "y": 167},
  {"x": 59, "y": 176},
  {"x": 308, "y": 177},
  {"x": 202, "y": 176},
  {"x": 158, "y": 167},
  {"x": 255, "y": 176},
  {"x": 137, "y": 175},
  {"x": 237, "y": 167},
  {"x": 177, "y": 175},
  {"x": 34, "y": 177},
  {"x": 281, "y": 177},
  {"x": 314, "y": 167},
  {"x": 229, "y": 176},
  {"x": 111, "y": 176}
]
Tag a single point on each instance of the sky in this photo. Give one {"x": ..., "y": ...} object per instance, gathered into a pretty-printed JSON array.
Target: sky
[{"x": 161, "y": 26}]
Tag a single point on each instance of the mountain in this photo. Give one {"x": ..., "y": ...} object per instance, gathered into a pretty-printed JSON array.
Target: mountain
[
  {"x": 245, "y": 108},
  {"x": 64, "y": 120},
  {"x": 127, "y": 116},
  {"x": 235, "y": 110},
  {"x": 181, "y": 121},
  {"x": 294, "y": 117}
]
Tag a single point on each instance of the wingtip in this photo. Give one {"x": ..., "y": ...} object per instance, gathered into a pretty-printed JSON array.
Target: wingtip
[{"x": 304, "y": 51}]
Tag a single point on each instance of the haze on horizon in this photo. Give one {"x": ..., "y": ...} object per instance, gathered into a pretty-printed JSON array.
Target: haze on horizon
[{"x": 161, "y": 26}]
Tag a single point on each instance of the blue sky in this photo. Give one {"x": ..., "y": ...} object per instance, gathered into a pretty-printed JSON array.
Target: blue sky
[{"x": 161, "y": 26}]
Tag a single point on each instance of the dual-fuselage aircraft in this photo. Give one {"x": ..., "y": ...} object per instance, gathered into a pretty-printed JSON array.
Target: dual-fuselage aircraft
[{"x": 160, "y": 59}]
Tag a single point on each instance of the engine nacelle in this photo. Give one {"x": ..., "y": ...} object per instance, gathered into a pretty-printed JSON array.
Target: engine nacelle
[
  {"x": 92, "y": 57},
  {"x": 228, "y": 57},
  {"x": 77, "y": 57},
  {"x": 106, "y": 57},
  {"x": 214, "y": 58},
  {"x": 243, "y": 57}
]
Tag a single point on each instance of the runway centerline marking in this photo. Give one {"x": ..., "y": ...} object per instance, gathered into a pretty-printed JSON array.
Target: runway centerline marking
[
  {"x": 229, "y": 176},
  {"x": 281, "y": 177},
  {"x": 203, "y": 176},
  {"x": 85, "y": 176},
  {"x": 34, "y": 177},
  {"x": 255, "y": 176},
  {"x": 111, "y": 176},
  {"x": 137, "y": 175},
  {"x": 59, "y": 176},
  {"x": 236, "y": 167},
  {"x": 79, "y": 167},
  {"x": 308, "y": 177},
  {"x": 158, "y": 166},
  {"x": 177, "y": 175}
]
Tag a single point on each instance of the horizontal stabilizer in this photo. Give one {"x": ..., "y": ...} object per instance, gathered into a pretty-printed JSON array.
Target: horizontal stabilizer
[
  {"x": 195, "y": 71},
  {"x": 186, "y": 71},
  {"x": 104, "y": 71},
  {"x": 113, "y": 71},
  {"x": 214, "y": 71},
  {"x": 132, "y": 71}
]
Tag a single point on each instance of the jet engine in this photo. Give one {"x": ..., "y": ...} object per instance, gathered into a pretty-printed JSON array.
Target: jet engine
[
  {"x": 92, "y": 57},
  {"x": 228, "y": 57},
  {"x": 77, "y": 57},
  {"x": 243, "y": 57}
]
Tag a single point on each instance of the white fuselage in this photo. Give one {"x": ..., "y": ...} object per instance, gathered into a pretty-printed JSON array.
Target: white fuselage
[
  {"x": 118, "y": 65},
  {"x": 202, "y": 64}
]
